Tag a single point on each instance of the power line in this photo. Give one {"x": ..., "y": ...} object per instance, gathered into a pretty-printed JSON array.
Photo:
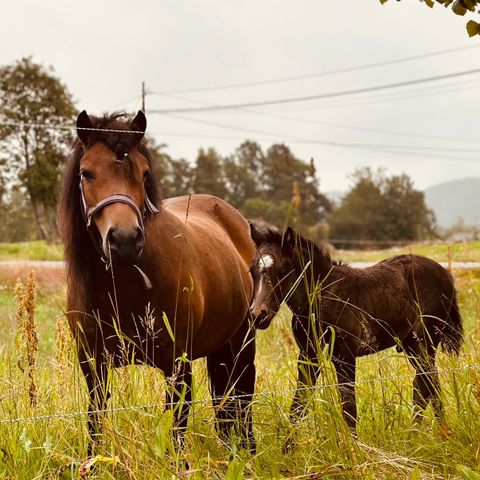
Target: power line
[
  {"x": 378, "y": 148},
  {"x": 344, "y": 93},
  {"x": 335, "y": 125},
  {"x": 391, "y": 97},
  {"x": 319, "y": 74}
]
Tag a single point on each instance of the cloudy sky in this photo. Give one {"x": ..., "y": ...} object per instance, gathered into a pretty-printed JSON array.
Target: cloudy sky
[{"x": 213, "y": 53}]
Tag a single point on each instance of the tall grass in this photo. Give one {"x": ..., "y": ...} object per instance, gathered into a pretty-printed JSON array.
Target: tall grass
[{"x": 137, "y": 443}]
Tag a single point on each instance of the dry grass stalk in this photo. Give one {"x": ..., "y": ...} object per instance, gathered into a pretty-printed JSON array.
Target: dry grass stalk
[
  {"x": 28, "y": 344},
  {"x": 63, "y": 343}
]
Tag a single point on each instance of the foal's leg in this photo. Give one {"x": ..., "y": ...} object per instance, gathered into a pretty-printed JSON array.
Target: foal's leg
[
  {"x": 345, "y": 368},
  {"x": 179, "y": 398},
  {"x": 308, "y": 371},
  {"x": 426, "y": 385}
]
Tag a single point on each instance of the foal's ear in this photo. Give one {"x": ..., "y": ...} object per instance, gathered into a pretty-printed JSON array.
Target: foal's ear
[
  {"x": 84, "y": 122},
  {"x": 255, "y": 234},
  {"x": 289, "y": 238},
  {"x": 139, "y": 123}
]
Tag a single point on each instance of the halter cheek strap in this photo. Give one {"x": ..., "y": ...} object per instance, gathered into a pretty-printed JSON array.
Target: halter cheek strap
[{"x": 89, "y": 212}]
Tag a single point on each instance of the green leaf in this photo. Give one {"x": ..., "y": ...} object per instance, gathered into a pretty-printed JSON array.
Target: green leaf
[
  {"x": 383, "y": 1},
  {"x": 468, "y": 473},
  {"x": 168, "y": 327},
  {"x": 429, "y": 3}
]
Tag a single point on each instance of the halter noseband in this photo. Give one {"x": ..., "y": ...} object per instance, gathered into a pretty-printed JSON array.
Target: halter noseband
[{"x": 89, "y": 212}]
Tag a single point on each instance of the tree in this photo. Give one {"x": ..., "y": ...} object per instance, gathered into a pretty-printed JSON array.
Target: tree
[
  {"x": 174, "y": 176},
  {"x": 382, "y": 208},
  {"x": 287, "y": 178},
  {"x": 31, "y": 97},
  {"x": 208, "y": 174},
  {"x": 459, "y": 7}
]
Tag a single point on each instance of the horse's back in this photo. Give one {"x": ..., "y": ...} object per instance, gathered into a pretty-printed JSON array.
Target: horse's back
[{"x": 215, "y": 214}]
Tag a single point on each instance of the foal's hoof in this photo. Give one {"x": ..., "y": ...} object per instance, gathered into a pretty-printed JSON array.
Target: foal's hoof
[{"x": 289, "y": 445}]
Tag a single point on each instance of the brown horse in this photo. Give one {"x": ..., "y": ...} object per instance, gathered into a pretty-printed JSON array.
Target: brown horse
[
  {"x": 407, "y": 301},
  {"x": 153, "y": 281}
]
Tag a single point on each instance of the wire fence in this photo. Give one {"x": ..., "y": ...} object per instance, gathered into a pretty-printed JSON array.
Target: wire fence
[{"x": 270, "y": 393}]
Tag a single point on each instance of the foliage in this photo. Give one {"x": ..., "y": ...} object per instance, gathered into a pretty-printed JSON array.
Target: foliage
[
  {"x": 31, "y": 96},
  {"x": 459, "y": 7},
  {"x": 382, "y": 208},
  {"x": 18, "y": 222},
  {"x": 274, "y": 186}
]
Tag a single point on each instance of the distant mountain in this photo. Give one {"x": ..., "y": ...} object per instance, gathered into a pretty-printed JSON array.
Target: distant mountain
[{"x": 458, "y": 199}]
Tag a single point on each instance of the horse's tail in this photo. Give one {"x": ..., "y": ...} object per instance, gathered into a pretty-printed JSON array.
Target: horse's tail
[{"x": 452, "y": 331}]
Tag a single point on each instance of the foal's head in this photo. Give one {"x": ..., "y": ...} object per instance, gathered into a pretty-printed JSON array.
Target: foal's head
[
  {"x": 114, "y": 175},
  {"x": 281, "y": 261}
]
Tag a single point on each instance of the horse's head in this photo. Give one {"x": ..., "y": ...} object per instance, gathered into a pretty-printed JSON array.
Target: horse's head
[
  {"x": 272, "y": 270},
  {"x": 114, "y": 176}
]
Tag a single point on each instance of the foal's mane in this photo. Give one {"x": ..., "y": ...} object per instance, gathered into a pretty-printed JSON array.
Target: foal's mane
[{"x": 79, "y": 250}]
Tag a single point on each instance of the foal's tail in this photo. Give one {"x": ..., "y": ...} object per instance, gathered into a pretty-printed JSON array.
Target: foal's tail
[{"x": 452, "y": 330}]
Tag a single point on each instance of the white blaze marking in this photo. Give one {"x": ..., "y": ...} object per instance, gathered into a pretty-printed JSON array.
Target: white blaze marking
[{"x": 265, "y": 261}]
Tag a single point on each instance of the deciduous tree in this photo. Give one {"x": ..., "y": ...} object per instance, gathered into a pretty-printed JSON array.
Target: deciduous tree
[{"x": 31, "y": 98}]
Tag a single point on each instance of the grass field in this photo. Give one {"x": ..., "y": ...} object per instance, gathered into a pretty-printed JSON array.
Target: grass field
[
  {"x": 137, "y": 443},
  {"x": 459, "y": 251}
]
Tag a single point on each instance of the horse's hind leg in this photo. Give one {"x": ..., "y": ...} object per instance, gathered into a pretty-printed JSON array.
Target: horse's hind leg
[
  {"x": 179, "y": 399},
  {"x": 243, "y": 378},
  {"x": 232, "y": 381},
  {"x": 220, "y": 366},
  {"x": 426, "y": 385}
]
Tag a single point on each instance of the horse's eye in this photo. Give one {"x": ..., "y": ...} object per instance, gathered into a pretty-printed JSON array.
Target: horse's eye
[
  {"x": 86, "y": 175},
  {"x": 145, "y": 175}
]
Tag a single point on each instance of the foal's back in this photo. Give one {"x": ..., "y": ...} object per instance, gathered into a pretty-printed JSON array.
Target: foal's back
[{"x": 376, "y": 307}]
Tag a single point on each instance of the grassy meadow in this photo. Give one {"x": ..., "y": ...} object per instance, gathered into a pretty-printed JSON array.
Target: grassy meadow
[{"x": 137, "y": 442}]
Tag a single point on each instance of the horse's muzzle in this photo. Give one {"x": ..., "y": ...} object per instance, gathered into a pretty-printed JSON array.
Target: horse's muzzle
[{"x": 124, "y": 245}]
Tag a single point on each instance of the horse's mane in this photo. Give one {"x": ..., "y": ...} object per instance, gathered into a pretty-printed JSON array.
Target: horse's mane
[{"x": 78, "y": 246}]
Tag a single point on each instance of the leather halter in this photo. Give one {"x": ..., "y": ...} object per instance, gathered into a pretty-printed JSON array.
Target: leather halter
[{"x": 89, "y": 212}]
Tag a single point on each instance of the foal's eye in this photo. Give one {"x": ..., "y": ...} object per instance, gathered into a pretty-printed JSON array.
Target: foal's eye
[
  {"x": 86, "y": 175},
  {"x": 145, "y": 176}
]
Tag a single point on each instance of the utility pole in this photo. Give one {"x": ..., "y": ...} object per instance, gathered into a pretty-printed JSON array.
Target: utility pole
[{"x": 143, "y": 96}]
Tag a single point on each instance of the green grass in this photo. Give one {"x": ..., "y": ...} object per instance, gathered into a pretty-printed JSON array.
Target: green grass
[
  {"x": 458, "y": 252},
  {"x": 389, "y": 445},
  {"x": 35, "y": 250}
]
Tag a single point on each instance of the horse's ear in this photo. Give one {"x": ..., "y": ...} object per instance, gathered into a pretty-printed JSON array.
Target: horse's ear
[
  {"x": 139, "y": 123},
  {"x": 289, "y": 238},
  {"x": 255, "y": 234},
  {"x": 84, "y": 122}
]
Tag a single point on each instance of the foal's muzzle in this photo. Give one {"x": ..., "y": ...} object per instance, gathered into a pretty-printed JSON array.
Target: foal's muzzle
[{"x": 261, "y": 318}]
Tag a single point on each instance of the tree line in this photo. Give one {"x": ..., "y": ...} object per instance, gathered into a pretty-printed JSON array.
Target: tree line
[{"x": 272, "y": 185}]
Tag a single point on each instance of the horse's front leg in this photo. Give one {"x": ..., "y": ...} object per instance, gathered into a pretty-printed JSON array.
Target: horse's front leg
[
  {"x": 95, "y": 372},
  {"x": 345, "y": 368},
  {"x": 179, "y": 399}
]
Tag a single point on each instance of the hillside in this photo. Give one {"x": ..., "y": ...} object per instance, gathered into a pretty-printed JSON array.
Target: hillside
[{"x": 454, "y": 200}]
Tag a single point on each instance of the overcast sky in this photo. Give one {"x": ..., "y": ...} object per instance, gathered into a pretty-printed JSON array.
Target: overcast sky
[{"x": 104, "y": 50}]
